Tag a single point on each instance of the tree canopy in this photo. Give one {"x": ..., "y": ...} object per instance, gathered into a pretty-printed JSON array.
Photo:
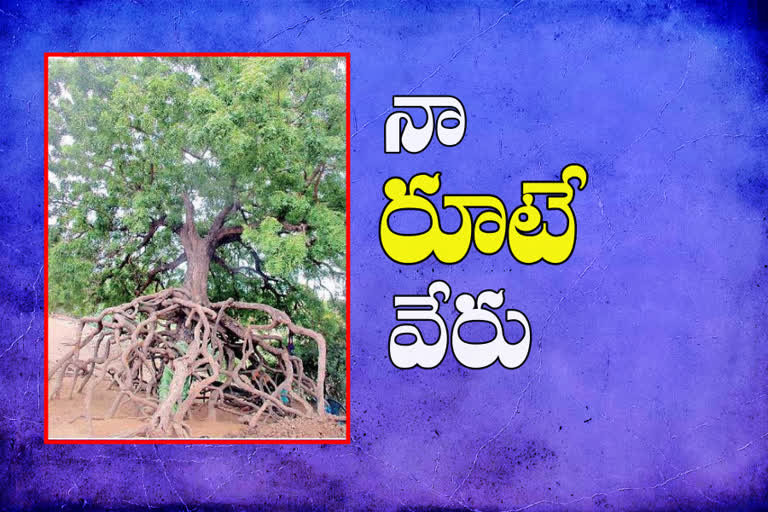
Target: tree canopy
[{"x": 222, "y": 175}]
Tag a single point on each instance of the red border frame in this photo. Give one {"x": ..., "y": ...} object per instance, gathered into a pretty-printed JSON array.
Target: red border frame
[{"x": 348, "y": 438}]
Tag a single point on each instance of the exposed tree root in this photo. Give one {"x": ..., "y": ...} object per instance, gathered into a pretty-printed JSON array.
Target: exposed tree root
[{"x": 242, "y": 369}]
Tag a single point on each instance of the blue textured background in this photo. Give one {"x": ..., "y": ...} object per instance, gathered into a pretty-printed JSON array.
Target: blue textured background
[{"x": 655, "y": 328}]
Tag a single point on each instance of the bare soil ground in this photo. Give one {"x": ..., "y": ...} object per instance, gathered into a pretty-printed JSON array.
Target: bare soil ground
[{"x": 66, "y": 415}]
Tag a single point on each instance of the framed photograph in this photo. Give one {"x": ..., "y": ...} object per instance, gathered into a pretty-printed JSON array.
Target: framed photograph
[{"x": 197, "y": 248}]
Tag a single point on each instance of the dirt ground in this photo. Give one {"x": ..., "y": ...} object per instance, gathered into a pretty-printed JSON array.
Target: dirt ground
[{"x": 67, "y": 421}]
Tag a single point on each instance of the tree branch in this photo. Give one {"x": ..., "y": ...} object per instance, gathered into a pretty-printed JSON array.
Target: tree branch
[
  {"x": 301, "y": 227},
  {"x": 228, "y": 235},
  {"x": 218, "y": 222},
  {"x": 331, "y": 269},
  {"x": 159, "y": 270},
  {"x": 240, "y": 270},
  {"x": 153, "y": 227},
  {"x": 189, "y": 220}
]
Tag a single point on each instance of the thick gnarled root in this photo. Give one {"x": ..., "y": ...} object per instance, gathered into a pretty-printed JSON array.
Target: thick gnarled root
[{"x": 213, "y": 358}]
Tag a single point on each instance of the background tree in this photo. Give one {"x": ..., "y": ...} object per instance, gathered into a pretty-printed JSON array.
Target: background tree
[{"x": 222, "y": 175}]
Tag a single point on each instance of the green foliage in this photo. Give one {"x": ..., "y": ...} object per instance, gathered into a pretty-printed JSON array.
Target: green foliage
[
  {"x": 165, "y": 386},
  {"x": 129, "y": 136},
  {"x": 284, "y": 254}
]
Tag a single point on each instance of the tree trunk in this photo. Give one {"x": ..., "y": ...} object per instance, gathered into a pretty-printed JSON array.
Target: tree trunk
[
  {"x": 198, "y": 264},
  {"x": 198, "y": 251}
]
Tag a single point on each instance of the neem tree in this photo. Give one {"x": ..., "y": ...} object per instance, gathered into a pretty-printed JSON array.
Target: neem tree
[{"x": 196, "y": 197}]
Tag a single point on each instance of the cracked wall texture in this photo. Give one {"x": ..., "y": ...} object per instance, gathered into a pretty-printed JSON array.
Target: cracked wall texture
[{"x": 646, "y": 385}]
